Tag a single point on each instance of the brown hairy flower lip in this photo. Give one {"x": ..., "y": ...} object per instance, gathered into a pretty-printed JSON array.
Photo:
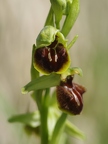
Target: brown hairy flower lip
[{"x": 69, "y": 96}]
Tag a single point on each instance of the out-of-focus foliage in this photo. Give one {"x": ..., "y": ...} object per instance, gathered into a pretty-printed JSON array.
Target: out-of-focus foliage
[{"x": 20, "y": 23}]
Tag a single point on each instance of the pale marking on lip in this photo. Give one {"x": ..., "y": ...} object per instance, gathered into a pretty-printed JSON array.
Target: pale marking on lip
[
  {"x": 76, "y": 99},
  {"x": 49, "y": 55},
  {"x": 56, "y": 57}
]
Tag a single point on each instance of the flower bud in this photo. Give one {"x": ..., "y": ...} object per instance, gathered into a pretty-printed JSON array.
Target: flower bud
[
  {"x": 58, "y": 7},
  {"x": 69, "y": 96},
  {"x": 51, "y": 54}
]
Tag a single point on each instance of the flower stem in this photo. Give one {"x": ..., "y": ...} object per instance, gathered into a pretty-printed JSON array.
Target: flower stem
[
  {"x": 50, "y": 18},
  {"x": 44, "y": 128},
  {"x": 44, "y": 118}
]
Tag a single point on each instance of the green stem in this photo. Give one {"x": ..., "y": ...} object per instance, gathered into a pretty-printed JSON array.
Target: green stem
[
  {"x": 37, "y": 96},
  {"x": 44, "y": 118},
  {"x": 50, "y": 18},
  {"x": 44, "y": 127}
]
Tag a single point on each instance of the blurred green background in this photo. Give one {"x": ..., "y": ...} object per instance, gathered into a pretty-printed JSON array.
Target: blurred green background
[{"x": 20, "y": 23}]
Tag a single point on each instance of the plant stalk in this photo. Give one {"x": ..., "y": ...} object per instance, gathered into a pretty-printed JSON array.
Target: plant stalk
[{"x": 44, "y": 118}]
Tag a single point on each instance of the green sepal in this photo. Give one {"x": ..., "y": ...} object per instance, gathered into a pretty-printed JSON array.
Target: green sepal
[
  {"x": 59, "y": 128},
  {"x": 72, "y": 130},
  {"x": 31, "y": 119},
  {"x": 48, "y": 35},
  {"x": 34, "y": 72},
  {"x": 43, "y": 82}
]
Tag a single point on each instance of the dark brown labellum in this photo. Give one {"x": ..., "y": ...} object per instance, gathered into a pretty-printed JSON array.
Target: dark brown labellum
[
  {"x": 51, "y": 58},
  {"x": 69, "y": 96}
]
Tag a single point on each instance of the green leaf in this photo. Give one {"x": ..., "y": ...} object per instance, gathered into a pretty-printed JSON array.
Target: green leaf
[
  {"x": 73, "y": 130},
  {"x": 31, "y": 119},
  {"x": 58, "y": 130},
  {"x": 43, "y": 82}
]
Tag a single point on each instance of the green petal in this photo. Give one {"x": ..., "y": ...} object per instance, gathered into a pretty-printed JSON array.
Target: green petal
[
  {"x": 76, "y": 70},
  {"x": 72, "y": 71},
  {"x": 72, "y": 42}
]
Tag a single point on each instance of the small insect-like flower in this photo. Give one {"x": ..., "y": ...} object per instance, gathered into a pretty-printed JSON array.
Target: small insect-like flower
[
  {"x": 51, "y": 54},
  {"x": 69, "y": 96}
]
